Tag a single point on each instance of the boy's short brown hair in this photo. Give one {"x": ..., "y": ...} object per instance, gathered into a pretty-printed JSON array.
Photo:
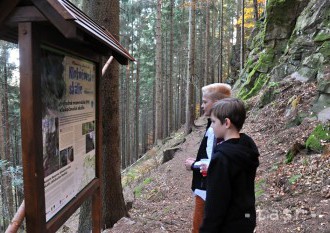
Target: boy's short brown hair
[
  {"x": 217, "y": 91},
  {"x": 231, "y": 108}
]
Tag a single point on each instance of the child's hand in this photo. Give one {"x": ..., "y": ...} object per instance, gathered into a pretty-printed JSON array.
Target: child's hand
[{"x": 188, "y": 163}]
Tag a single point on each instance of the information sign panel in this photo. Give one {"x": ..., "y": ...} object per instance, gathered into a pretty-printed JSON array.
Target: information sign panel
[{"x": 68, "y": 126}]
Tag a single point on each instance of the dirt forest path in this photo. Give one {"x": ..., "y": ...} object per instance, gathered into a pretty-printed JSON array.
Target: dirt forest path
[
  {"x": 166, "y": 203},
  {"x": 163, "y": 201}
]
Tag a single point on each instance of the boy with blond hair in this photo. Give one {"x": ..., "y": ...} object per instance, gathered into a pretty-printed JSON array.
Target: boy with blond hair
[
  {"x": 210, "y": 94},
  {"x": 230, "y": 200}
]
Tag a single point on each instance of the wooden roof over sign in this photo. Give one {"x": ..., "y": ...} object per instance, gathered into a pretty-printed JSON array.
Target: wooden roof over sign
[{"x": 71, "y": 22}]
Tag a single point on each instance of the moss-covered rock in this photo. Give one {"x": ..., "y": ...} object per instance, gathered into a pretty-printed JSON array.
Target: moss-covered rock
[
  {"x": 265, "y": 61},
  {"x": 292, "y": 42},
  {"x": 307, "y": 73},
  {"x": 319, "y": 136},
  {"x": 324, "y": 32},
  {"x": 322, "y": 36},
  {"x": 256, "y": 39},
  {"x": 296, "y": 120},
  {"x": 267, "y": 97},
  {"x": 257, "y": 77},
  {"x": 281, "y": 18},
  {"x": 325, "y": 51},
  {"x": 258, "y": 84}
]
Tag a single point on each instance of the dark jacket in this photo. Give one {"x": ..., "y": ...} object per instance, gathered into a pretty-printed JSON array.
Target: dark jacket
[
  {"x": 198, "y": 181},
  {"x": 230, "y": 200}
]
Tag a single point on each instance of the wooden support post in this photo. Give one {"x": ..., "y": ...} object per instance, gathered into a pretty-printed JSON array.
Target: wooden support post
[{"x": 30, "y": 90}]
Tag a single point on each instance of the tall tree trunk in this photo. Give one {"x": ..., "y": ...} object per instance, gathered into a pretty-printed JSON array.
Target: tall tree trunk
[
  {"x": 170, "y": 75},
  {"x": 131, "y": 115},
  {"x": 144, "y": 130},
  {"x": 221, "y": 43},
  {"x": 127, "y": 121},
  {"x": 159, "y": 105},
  {"x": 182, "y": 94},
  {"x": 165, "y": 88},
  {"x": 106, "y": 13},
  {"x": 137, "y": 108},
  {"x": 213, "y": 44},
  {"x": 191, "y": 70},
  {"x": 201, "y": 74},
  {"x": 207, "y": 47},
  {"x": 238, "y": 27},
  {"x": 122, "y": 118},
  {"x": 182, "y": 71},
  {"x": 242, "y": 38},
  {"x": 153, "y": 110},
  {"x": 229, "y": 48},
  {"x": 256, "y": 13}
]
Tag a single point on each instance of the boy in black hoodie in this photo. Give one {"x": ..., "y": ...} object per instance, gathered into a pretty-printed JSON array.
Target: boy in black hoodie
[{"x": 230, "y": 200}]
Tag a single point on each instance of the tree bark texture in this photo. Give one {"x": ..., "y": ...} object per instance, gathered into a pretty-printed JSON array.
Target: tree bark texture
[
  {"x": 170, "y": 75},
  {"x": 106, "y": 13},
  {"x": 207, "y": 79},
  {"x": 191, "y": 70},
  {"x": 242, "y": 37},
  {"x": 159, "y": 87},
  {"x": 137, "y": 115}
]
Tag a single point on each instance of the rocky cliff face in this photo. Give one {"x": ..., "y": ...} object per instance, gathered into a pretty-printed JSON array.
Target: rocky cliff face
[{"x": 292, "y": 42}]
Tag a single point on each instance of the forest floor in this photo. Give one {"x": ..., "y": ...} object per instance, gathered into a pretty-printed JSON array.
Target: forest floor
[{"x": 290, "y": 197}]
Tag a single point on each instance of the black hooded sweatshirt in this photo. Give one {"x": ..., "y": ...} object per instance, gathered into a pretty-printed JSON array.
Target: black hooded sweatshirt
[{"x": 230, "y": 200}]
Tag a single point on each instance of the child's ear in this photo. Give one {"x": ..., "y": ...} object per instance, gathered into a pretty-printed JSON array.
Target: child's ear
[{"x": 228, "y": 123}]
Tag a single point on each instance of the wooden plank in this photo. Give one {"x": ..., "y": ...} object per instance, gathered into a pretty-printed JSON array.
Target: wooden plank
[
  {"x": 96, "y": 211},
  {"x": 62, "y": 10},
  {"x": 60, "y": 218},
  {"x": 30, "y": 90},
  {"x": 66, "y": 27},
  {"x": 97, "y": 198},
  {"x": 6, "y": 7},
  {"x": 52, "y": 37},
  {"x": 25, "y": 14},
  {"x": 96, "y": 31}
]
